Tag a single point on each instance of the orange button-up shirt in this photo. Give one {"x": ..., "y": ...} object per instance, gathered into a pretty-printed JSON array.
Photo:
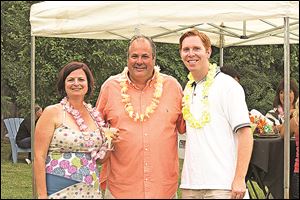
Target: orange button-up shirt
[{"x": 144, "y": 163}]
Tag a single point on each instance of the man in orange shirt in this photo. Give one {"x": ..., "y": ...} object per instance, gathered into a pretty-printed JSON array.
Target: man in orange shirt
[{"x": 145, "y": 105}]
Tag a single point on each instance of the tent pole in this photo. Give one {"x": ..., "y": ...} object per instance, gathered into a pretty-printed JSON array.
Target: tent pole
[
  {"x": 286, "y": 109},
  {"x": 32, "y": 82},
  {"x": 221, "y": 56},
  {"x": 221, "y": 47}
]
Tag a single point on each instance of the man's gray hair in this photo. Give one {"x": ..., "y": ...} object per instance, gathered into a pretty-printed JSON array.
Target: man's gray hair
[{"x": 135, "y": 37}]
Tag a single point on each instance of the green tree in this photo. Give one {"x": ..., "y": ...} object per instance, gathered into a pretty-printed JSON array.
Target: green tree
[
  {"x": 15, "y": 51},
  {"x": 261, "y": 67}
]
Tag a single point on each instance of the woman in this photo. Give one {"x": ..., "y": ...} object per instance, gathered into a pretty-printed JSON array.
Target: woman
[
  {"x": 295, "y": 129},
  {"x": 276, "y": 115},
  {"x": 69, "y": 140}
]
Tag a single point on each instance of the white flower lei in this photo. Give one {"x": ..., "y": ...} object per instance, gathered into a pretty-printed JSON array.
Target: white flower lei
[
  {"x": 155, "y": 99},
  {"x": 205, "y": 117}
]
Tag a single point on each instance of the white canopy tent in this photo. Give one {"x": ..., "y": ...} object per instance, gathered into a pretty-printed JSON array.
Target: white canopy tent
[
  {"x": 229, "y": 23},
  {"x": 241, "y": 23}
]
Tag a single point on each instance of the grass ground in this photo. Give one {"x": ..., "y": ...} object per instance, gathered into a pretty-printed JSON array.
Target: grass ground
[{"x": 16, "y": 179}]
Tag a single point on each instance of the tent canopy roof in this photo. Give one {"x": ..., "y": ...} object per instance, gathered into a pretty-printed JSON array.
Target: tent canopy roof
[{"x": 241, "y": 23}]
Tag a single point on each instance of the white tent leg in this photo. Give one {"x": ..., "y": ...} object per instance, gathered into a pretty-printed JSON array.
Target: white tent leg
[
  {"x": 286, "y": 184},
  {"x": 32, "y": 82}
]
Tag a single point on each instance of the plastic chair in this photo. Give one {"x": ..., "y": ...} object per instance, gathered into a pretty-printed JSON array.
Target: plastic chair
[{"x": 12, "y": 126}]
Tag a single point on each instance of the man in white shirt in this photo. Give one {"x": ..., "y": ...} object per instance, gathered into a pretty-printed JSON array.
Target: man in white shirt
[{"x": 219, "y": 139}]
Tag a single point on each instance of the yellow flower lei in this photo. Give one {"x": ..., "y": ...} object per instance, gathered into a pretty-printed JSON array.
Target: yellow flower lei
[
  {"x": 155, "y": 99},
  {"x": 188, "y": 90}
]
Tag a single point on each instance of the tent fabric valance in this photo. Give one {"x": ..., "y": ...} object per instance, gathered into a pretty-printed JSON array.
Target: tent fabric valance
[{"x": 229, "y": 23}]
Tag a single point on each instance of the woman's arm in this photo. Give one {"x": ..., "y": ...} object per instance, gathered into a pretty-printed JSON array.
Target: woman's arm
[
  {"x": 43, "y": 134},
  {"x": 294, "y": 127}
]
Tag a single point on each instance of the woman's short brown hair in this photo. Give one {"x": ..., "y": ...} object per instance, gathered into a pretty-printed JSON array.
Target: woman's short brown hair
[{"x": 67, "y": 69}]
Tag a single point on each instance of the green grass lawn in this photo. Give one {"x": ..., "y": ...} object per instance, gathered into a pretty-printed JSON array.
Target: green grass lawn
[{"x": 16, "y": 179}]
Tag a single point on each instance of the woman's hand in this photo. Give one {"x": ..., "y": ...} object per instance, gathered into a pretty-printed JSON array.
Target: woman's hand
[
  {"x": 115, "y": 138},
  {"x": 112, "y": 135},
  {"x": 277, "y": 129}
]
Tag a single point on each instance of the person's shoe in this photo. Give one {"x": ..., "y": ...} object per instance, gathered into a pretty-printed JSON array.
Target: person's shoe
[{"x": 28, "y": 161}]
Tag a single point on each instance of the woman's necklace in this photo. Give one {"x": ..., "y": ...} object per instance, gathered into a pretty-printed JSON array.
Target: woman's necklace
[
  {"x": 205, "y": 117},
  {"x": 155, "y": 99},
  {"x": 79, "y": 120}
]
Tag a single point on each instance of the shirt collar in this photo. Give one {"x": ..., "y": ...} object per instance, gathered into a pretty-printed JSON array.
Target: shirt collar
[{"x": 149, "y": 83}]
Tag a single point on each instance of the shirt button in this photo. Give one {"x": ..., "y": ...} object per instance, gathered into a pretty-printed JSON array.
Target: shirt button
[
  {"x": 146, "y": 179},
  {"x": 146, "y": 164},
  {"x": 146, "y": 149},
  {"x": 146, "y": 134}
]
